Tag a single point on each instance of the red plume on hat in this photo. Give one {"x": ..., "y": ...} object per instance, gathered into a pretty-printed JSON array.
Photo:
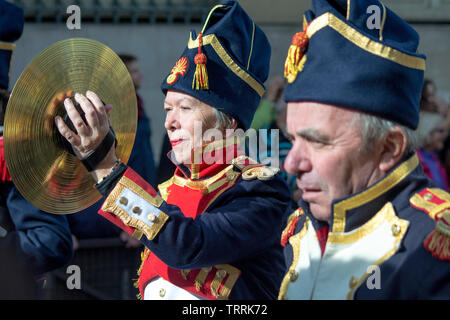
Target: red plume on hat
[{"x": 296, "y": 53}]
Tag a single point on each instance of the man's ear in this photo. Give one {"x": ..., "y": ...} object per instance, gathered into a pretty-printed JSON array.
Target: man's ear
[{"x": 393, "y": 148}]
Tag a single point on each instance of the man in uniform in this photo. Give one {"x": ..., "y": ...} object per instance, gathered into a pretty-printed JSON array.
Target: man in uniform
[
  {"x": 213, "y": 233},
  {"x": 370, "y": 224},
  {"x": 41, "y": 240}
]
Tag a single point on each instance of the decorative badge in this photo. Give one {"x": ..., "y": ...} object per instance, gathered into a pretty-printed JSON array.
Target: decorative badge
[{"x": 179, "y": 68}]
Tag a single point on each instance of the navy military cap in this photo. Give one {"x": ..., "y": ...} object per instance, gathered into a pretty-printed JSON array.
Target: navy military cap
[
  {"x": 226, "y": 65},
  {"x": 11, "y": 27},
  {"x": 347, "y": 57}
]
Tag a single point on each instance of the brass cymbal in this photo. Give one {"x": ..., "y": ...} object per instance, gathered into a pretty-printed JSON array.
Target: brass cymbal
[{"x": 43, "y": 171}]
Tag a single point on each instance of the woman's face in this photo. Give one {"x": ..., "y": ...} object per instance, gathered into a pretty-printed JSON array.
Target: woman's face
[
  {"x": 187, "y": 118},
  {"x": 437, "y": 138}
]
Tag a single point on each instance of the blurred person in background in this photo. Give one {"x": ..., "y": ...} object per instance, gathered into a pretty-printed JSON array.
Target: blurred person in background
[
  {"x": 38, "y": 242},
  {"x": 431, "y": 135},
  {"x": 431, "y": 102},
  {"x": 275, "y": 110}
]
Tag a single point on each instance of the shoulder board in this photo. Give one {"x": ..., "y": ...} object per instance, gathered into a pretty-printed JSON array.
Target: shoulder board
[
  {"x": 433, "y": 201},
  {"x": 253, "y": 170},
  {"x": 290, "y": 226},
  {"x": 436, "y": 203}
]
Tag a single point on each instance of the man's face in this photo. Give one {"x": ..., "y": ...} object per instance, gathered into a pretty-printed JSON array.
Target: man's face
[
  {"x": 183, "y": 113},
  {"x": 326, "y": 156},
  {"x": 135, "y": 73}
]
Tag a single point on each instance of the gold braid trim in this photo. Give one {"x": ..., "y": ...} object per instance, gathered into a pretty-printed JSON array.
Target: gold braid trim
[{"x": 110, "y": 206}]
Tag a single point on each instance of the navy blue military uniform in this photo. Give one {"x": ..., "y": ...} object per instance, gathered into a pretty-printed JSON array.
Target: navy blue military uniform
[
  {"x": 213, "y": 230},
  {"x": 42, "y": 240},
  {"x": 385, "y": 229},
  {"x": 392, "y": 239}
]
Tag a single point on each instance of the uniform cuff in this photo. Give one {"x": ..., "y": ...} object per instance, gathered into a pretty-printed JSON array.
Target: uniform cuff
[{"x": 136, "y": 204}]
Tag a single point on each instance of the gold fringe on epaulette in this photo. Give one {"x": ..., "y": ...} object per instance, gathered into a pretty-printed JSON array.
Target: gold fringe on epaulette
[{"x": 438, "y": 241}]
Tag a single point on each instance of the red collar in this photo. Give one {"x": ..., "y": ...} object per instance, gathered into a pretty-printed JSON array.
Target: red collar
[{"x": 209, "y": 159}]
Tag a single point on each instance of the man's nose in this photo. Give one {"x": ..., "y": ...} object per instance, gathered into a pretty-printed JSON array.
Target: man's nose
[{"x": 298, "y": 159}]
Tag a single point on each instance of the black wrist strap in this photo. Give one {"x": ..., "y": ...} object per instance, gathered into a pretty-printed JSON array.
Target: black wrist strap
[{"x": 93, "y": 160}]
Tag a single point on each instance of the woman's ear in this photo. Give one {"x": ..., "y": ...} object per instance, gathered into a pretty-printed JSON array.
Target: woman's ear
[
  {"x": 392, "y": 149},
  {"x": 233, "y": 124},
  {"x": 229, "y": 131}
]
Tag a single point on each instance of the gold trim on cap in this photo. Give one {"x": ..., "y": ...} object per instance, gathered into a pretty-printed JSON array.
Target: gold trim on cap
[
  {"x": 7, "y": 46},
  {"x": 209, "y": 15},
  {"x": 382, "y": 22},
  {"x": 212, "y": 40},
  {"x": 348, "y": 9},
  {"x": 364, "y": 42},
  {"x": 251, "y": 47}
]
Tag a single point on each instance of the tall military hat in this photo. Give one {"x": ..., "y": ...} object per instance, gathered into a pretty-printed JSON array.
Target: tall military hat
[
  {"x": 225, "y": 65},
  {"x": 360, "y": 55},
  {"x": 11, "y": 27}
]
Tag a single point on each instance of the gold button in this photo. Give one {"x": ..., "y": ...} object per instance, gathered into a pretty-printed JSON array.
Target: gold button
[
  {"x": 395, "y": 229},
  {"x": 151, "y": 217},
  {"x": 162, "y": 292},
  {"x": 221, "y": 274},
  {"x": 353, "y": 282},
  {"x": 137, "y": 210},
  {"x": 231, "y": 176},
  {"x": 123, "y": 201},
  {"x": 428, "y": 196},
  {"x": 293, "y": 275}
]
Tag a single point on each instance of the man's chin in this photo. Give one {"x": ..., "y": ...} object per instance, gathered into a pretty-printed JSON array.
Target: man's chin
[{"x": 319, "y": 212}]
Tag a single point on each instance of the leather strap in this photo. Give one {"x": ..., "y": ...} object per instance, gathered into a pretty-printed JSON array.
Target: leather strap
[{"x": 93, "y": 160}]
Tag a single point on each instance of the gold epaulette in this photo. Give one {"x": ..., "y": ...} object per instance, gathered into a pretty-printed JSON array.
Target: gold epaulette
[
  {"x": 253, "y": 170},
  {"x": 436, "y": 203}
]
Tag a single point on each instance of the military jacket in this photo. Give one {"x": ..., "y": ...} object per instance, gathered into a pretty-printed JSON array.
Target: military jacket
[
  {"x": 389, "y": 241},
  {"x": 213, "y": 230}
]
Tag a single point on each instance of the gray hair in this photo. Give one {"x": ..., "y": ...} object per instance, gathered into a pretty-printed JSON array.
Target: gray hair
[
  {"x": 223, "y": 121},
  {"x": 374, "y": 129}
]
